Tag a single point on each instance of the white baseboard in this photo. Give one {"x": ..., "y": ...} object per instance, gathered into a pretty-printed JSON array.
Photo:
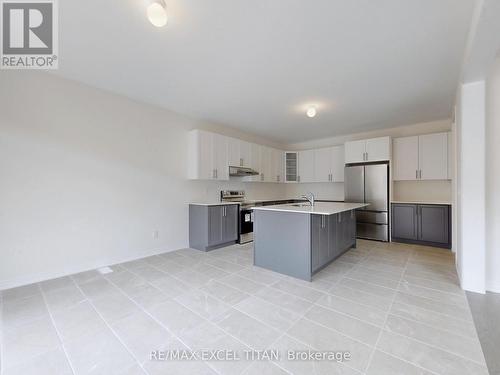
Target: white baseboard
[
  {"x": 493, "y": 286},
  {"x": 36, "y": 278}
]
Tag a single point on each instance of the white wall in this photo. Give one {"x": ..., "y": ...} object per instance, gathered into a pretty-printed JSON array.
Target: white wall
[
  {"x": 422, "y": 191},
  {"x": 471, "y": 202},
  {"x": 86, "y": 177},
  {"x": 493, "y": 179}
]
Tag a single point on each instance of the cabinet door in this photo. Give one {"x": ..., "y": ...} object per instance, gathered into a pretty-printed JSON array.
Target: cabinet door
[
  {"x": 355, "y": 151},
  {"x": 337, "y": 164},
  {"x": 404, "y": 221},
  {"x": 405, "y": 158},
  {"x": 378, "y": 149},
  {"x": 319, "y": 241},
  {"x": 339, "y": 235},
  {"x": 220, "y": 157},
  {"x": 215, "y": 225},
  {"x": 278, "y": 166},
  {"x": 255, "y": 162},
  {"x": 245, "y": 153},
  {"x": 315, "y": 242},
  {"x": 352, "y": 225},
  {"x": 332, "y": 236},
  {"x": 233, "y": 151},
  {"x": 433, "y": 223},
  {"x": 306, "y": 166},
  {"x": 231, "y": 219},
  {"x": 266, "y": 163},
  {"x": 433, "y": 156},
  {"x": 322, "y": 165},
  {"x": 201, "y": 160},
  {"x": 291, "y": 167}
]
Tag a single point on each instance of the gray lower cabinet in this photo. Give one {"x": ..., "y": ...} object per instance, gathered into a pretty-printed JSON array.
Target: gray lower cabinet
[
  {"x": 320, "y": 251},
  {"x": 211, "y": 227},
  {"x": 331, "y": 236},
  {"x": 404, "y": 221},
  {"x": 231, "y": 221},
  {"x": 427, "y": 224}
]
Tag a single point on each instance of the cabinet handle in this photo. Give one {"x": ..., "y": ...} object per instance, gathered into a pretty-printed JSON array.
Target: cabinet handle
[
  {"x": 298, "y": 178},
  {"x": 420, "y": 174},
  {"x": 241, "y": 162},
  {"x": 213, "y": 173},
  {"x": 416, "y": 174}
]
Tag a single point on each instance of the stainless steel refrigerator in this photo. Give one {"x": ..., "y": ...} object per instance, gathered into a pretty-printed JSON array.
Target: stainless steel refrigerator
[{"x": 369, "y": 183}]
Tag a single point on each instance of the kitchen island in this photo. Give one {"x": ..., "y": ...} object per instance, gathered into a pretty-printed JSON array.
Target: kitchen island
[{"x": 298, "y": 240}]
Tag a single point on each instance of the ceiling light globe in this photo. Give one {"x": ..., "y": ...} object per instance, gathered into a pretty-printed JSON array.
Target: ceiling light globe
[
  {"x": 157, "y": 14},
  {"x": 311, "y": 112}
]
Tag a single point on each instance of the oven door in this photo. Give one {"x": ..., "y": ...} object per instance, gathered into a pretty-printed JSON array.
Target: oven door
[{"x": 246, "y": 225}]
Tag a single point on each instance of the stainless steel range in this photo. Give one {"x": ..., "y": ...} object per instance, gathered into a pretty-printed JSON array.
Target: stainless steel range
[{"x": 246, "y": 214}]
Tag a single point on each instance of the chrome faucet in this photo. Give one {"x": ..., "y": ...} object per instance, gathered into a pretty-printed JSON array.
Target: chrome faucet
[{"x": 309, "y": 197}]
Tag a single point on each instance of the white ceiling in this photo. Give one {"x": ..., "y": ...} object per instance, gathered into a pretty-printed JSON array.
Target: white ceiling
[{"x": 256, "y": 65}]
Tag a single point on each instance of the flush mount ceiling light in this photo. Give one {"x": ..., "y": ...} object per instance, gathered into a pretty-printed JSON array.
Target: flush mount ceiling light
[
  {"x": 157, "y": 13},
  {"x": 311, "y": 112}
]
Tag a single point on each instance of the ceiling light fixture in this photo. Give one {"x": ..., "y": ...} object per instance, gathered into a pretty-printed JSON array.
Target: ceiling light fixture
[
  {"x": 311, "y": 112},
  {"x": 157, "y": 13}
]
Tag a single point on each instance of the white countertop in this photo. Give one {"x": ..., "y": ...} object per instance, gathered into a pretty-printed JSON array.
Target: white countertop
[
  {"x": 423, "y": 202},
  {"x": 214, "y": 203},
  {"x": 320, "y": 208}
]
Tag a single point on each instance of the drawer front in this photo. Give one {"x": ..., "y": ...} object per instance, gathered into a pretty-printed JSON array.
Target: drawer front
[
  {"x": 374, "y": 217},
  {"x": 378, "y": 232}
]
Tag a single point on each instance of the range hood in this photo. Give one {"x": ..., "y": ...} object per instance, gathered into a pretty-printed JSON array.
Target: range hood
[{"x": 241, "y": 172}]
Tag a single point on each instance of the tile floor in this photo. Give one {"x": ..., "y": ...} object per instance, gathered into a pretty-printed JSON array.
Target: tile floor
[{"x": 396, "y": 308}]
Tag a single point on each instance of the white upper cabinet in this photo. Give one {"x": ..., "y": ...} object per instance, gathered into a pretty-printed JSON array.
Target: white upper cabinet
[
  {"x": 306, "y": 166},
  {"x": 378, "y": 149},
  {"x": 291, "y": 167},
  {"x": 323, "y": 164},
  {"x": 423, "y": 157},
  {"x": 433, "y": 156},
  {"x": 355, "y": 151},
  {"x": 239, "y": 152},
  {"x": 277, "y": 166},
  {"x": 234, "y": 152},
  {"x": 405, "y": 158},
  {"x": 329, "y": 164},
  {"x": 245, "y": 153},
  {"x": 255, "y": 163},
  {"x": 266, "y": 166},
  {"x": 208, "y": 156},
  {"x": 221, "y": 163},
  {"x": 366, "y": 150},
  {"x": 338, "y": 164}
]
